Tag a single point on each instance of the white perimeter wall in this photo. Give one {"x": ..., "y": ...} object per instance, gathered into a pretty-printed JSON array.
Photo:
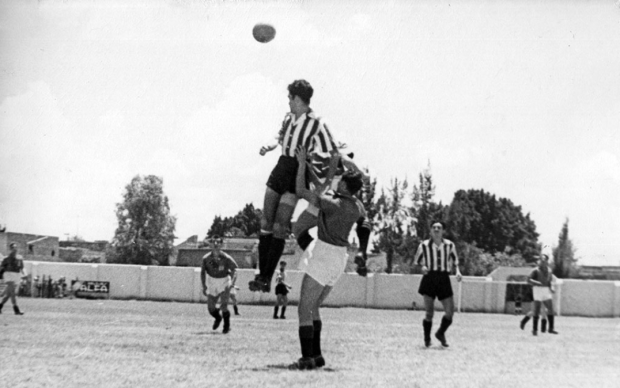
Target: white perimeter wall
[{"x": 475, "y": 294}]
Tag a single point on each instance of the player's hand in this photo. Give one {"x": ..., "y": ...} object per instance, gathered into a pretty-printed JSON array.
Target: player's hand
[
  {"x": 301, "y": 154},
  {"x": 204, "y": 291},
  {"x": 459, "y": 277},
  {"x": 265, "y": 149},
  {"x": 424, "y": 270}
]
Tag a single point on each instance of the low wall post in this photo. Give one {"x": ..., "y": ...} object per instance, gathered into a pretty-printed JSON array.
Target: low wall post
[
  {"x": 616, "y": 301},
  {"x": 488, "y": 295},
  {"x": 143, "y": 281},
  {"x": 558, "y": 308},
  {"x": 197, "y": 285}
]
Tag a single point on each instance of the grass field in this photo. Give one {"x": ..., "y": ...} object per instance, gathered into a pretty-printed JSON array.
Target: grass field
[{"x": 110, "y": 343}]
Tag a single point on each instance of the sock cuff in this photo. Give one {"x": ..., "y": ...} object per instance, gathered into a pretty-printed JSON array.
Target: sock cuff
[{"x": 318, "y": 325}]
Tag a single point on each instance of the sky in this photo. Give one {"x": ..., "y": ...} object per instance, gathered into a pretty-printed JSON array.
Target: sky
[{"x": 520, "y": 99}]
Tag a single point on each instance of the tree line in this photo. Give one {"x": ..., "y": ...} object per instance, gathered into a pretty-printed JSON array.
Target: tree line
[{"x": 489, "y": 231}]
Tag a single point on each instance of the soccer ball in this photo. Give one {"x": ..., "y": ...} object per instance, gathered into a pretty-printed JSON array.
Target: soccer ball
[{"x": 263, "y": 33}]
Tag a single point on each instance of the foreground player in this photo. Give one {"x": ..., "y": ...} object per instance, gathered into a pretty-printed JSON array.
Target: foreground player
[
  {"x": 281, "y": 292},
  {"x": 11, "y": 270},
  {"x": 437, "y": 256},
  {"x": 326, "y": 257},
  {"x": 218, "y": 274},
  {"x": 541, "y": 280},
  {"x": 301, "y": 127}
]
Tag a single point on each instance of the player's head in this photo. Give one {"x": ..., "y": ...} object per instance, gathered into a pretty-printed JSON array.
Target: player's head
[
  {"x": 283, "y": 264},
  {"x": 351, "y": 181},
  {"x": 216, "y": 241},
  {"x": 437, "y": 228},
  {"x": 13, "y": 247},
  {"x": 543, "y": 261},
  {"x": 302, "y": 89}
]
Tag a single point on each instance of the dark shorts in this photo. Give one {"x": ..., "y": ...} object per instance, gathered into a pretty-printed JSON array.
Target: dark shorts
[
  {"x": 283, "y": 175},
  {"x": 436, "y": 284},
  {"x": 281, "y": 289}
]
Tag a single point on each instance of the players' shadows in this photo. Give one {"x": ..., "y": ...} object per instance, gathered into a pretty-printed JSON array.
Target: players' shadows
[
  {"x": 286, "y": 367},
  {"x": 208, "y": 333}
]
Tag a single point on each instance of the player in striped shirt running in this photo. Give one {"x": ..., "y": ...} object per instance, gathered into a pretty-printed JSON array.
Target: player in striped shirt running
[
  {"x": 301, "y": 127},
  {"x": 437, "y": 256}
]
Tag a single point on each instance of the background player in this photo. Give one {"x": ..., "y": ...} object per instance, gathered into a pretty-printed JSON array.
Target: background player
[
  {"x": 218, "y": 274},
  {"x": 437, "y": 256},
  {"x": 301, "y": 127},
  {"x": 541, "y": 280},
  {"x": 282, "y": 289},
  {"x": 326, "y": 258},
  {"x": 11, "y": 270}
]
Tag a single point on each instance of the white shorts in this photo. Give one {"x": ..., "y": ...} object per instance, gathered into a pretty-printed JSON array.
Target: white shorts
[
  {"x": 14, "y": 277},
  {"x": 542, "y": 293},
  {"x": 216, "y": 286},
  {"x": 324, "y": 262}
]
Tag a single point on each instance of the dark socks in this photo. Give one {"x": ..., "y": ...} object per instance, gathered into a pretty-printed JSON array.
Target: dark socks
[
  {"x": 543, "y": 325},
  {"x": 316, "y": 341},
  {"x": 236, "y": 310},
  {"x": 306, "y": 339},
  {"x": 304, "y": 240},
  {"x": 273, "y": 257},
  {"x": 226, "y": 316},
  {"x": 535, "y": 325},
  {"x": 264, "y": 244},
  {"x": 275, "y": 312},
  {"x": 445, "y": 324},
  {"x": 427, "y": 325},
  {"x": 363, "y": 234},
  {"x": 283, "y": 311},
  {"x": 552, "y": 324}
]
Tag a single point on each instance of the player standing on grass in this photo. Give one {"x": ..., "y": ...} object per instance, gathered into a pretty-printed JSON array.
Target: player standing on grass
[
  {"x": 541, "y": 280},
  {"x": 11, "y": 270},
  {"x": 437, "y": 256},
  {"x": 326, "y": 258},
  {"x": 301, "y": 127},
  {"x": 281, "y": 291},
  {"x": 218, "y": 275}
]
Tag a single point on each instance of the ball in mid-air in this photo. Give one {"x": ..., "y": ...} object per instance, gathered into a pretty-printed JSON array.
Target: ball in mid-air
[{"x": 264, "y": 32}]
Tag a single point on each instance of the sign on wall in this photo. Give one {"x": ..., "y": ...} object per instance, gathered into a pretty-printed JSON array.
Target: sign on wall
[{"x": 93, "y": 289}]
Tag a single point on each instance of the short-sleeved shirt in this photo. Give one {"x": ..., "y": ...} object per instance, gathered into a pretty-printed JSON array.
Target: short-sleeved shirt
[
  {"x": 337, "y": 215},
  {"x": 308, "y": 131},
  {"x": 435, "y": 257},
  {"x": 219, "y": 267},
  {"x": 544, "y": 277}
]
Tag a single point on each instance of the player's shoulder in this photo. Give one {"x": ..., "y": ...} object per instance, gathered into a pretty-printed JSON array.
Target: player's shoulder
[
  {"x": 448, "y": 242},
  {"x": 207, "y": 256}
]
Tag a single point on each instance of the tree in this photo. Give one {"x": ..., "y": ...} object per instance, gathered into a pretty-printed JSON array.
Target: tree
[
  {"x": 245, "y": 223},
  {"x": 476, "y": 262},
  {"x": 145, "y": 231},
  {"x": 491, "y": 224},
  {"x": 393, "y": 223},
  {"x": 424, "y": 209},
  {"x": 564, "y": 260}
]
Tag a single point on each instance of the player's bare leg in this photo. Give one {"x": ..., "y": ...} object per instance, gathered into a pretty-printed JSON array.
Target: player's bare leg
[{"x": 427, "y": 323}]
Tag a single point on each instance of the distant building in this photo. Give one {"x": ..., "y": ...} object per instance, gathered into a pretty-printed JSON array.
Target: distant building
[
  {"x": 598, "y": 272},
  {"x": 31, "y": 246}
]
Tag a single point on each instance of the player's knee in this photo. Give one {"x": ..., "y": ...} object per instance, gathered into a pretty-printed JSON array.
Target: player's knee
[
  {"x": 280, "y": 231},
  {"x": 429, "y": 315},
  {"x": 266, "y": 225}
]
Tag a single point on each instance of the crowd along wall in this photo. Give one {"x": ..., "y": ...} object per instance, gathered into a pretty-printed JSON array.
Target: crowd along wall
[{"x": 473, "y": 294}]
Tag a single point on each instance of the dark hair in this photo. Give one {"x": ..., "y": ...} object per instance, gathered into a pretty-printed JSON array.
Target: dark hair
[
  {"x": 353, "y": 180},
  {"x": 440, "y": 222},
  {"x": 12, "y": 245},
  {"x": 283, "y": 263},
  {"x": 216, "y": 237},
  {"x": 302, "y": 89}
]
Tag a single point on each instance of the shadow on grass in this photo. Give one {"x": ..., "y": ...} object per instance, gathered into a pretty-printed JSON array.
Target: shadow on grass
[
  {"x": 208, "y": 333},
  {"x": 286, "y": 367}
]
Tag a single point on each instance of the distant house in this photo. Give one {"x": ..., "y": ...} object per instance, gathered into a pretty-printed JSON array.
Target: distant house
[
  {"x": 31, "y": 246},
  {"x": 599, "y": 272}
]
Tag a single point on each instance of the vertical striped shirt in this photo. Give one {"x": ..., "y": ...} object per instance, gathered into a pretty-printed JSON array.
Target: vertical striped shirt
[
  {"x": 308, "y": 131},
  {"x": 435, "y": 257}
]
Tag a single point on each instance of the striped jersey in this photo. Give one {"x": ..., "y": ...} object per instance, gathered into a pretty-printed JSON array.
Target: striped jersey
[
  {"x": 435, "y": 257},
  {"x": 309, "y": 131}
]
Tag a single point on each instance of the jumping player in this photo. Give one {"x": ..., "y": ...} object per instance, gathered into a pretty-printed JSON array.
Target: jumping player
[
  {"x": 437, "y": 256},
  {"x": 281, "y": 292},
  {"x": 541, "y": 280},
  {"x": 326, "y": 258},
  {"x": 218, "y": 275},
  {"x": 301, "y": 127},
  {"x": 11, "y": 270}
]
